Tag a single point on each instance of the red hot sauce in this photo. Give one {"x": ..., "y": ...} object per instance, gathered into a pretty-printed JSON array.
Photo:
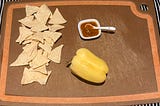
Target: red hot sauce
[{"x": 88, "y": 30}]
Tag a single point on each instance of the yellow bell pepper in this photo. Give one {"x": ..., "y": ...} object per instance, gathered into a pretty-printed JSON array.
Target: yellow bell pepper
[{"x": 88, "y": 66}]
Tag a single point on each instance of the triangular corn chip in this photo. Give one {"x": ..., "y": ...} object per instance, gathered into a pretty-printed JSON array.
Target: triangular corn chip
[
  {"x": 29, "y": 47},
  {"x": 55, "y": 54},
  {"x": 43, "y": 14},
  {"x": 53, "y": 35},
  {"x": 33, "y": 54},
  {"x": 29, "y": 52},
  {"x": 56, "y": 36},
  {"x": 30, "y": 76},
  {"x": 21, "y": 60},
  {"x": 27, "y": 41},
  {"x": 47, "y": 34},
  {"x": 39, "y": 60},
  {"x": 24, "y": 33},
  {"x": 57, "y": 18},
  {"x": 39, "y": 27},
  {"x": 46, "y": 47},
  {"x": 54, "y": 28},
  {"x": 37, "y": 37},
  {"x": 29, "y": 37},
  {"x": 41, "y": 69},
  {"x": 27, "y": 21},
  {"x": 46, "y": 55},
  {"x": 30, "y": 10},
  {"x": 49, "y": 41}
]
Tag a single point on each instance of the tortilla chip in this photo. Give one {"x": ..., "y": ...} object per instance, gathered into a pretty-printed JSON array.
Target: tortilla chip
[
  {"x": 54, "y": 28},
  {"x": 29, "y": 37},
  {"x": 39, "y": 60},
  {"x": 29, "y": 52},
  {"x": 33, "y": 54},
  {"x": 30, "y": 76},
  {"x": 21, "y": 60},
  {"x": 49, "y": 41},
  {"x": 47, "y": 34},
  {"x": 41, "y": 69},
  {"x": 57, "y": 18},
  {"x": 27, "y": 42},
  {"x": 39, "y": 27},
  {"x": 55, "y": 54},
  {"x": 29, "y": 47},
  {"x": 56, "y": 36},
  {"x": 30, "y": 10},
  {"x": 46, "y": 47},
  {"x": 43, "y": 14},
  {"x": 24, "y": 33},
  {"x": 46, "y": 55},
  {"x": 27, "y": 21},
  {"x": 37, "y": 37},
  {"x": 53, "y": 35}
]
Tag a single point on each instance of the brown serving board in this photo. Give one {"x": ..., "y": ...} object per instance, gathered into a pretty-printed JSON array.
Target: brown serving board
[{"x": 131, "y": 53}]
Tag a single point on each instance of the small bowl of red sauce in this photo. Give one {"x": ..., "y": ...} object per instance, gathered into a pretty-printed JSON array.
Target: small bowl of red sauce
[{"x": 86, "y": 30}]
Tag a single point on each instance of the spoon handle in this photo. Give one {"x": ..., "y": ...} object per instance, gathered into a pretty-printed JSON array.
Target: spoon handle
[{"x": 108, "y": 28}]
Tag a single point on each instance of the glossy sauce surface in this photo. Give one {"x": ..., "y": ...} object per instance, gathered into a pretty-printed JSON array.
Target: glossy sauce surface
[{"x": 88, "y": 30}]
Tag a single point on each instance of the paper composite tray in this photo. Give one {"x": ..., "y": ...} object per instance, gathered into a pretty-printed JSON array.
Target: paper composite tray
[{"x": 131, "y": 54}]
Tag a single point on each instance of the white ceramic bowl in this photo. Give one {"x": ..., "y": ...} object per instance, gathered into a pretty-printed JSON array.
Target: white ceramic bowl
[{"x": 85, "y": 21}]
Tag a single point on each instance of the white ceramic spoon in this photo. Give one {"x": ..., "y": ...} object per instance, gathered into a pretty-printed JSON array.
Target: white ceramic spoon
[{"x": 108, "y": 28}]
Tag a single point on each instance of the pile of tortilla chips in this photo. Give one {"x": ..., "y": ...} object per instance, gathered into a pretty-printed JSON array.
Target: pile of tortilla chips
[{"x": 38, "y": 33}]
